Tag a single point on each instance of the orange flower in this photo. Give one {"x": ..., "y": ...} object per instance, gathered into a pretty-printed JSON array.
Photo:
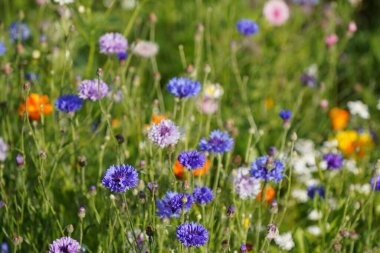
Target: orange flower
[
  {"x": 270, "y": 193},
  {"x": 178, "y": 169},
  {"x": 269, "y": 103},
  {"x": 156, "y": 118},
  {"x": 35, "y": 105},
  {"x": 115, "y": 123},
  {"x": 339, "y": 118}
]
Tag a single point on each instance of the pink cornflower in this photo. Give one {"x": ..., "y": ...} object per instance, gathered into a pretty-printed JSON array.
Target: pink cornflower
[{"x": 276, "y": 12}]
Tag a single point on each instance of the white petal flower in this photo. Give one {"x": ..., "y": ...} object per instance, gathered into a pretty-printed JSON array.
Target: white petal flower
[
  {"x": 315, "y": 215},
  {"x": 314, "y": 230},
  {"x": 285, "y": 241},
  {"x": 3, "y": 149},
  {"x": 300, "y": 195},
  {"x": 358, "y": 108},
  {"x": 246, "y": 186},
  {"x": 145, "y": 49}
]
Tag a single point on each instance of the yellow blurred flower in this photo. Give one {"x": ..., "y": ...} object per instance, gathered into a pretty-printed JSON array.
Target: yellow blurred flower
[
  {"x": 269, "y": 103},
  {"x": 351, "y": 142}
]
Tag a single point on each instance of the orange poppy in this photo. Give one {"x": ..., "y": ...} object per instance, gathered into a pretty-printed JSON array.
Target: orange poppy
[
  {"x": 178, "y": 169},
  {"x": 270, "y": 193},
  {"x": 339, "y": 118},
  {"x": 157, "y": 118},
  {"x": 35, "y": 105}
]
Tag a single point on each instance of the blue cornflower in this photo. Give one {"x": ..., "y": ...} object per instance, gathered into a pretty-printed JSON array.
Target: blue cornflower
[
  {"x": 375, "y": 183},
  {"x": 285, "y": 115},
  {"x": 173, "y": 203},
  {"x": 3, "y": 49},
  {"x": 4, "y": 247},
  {"x": 218, "y": 142},
  {"x": 18, "y": 31},
  {"x": 267, "y": 168},
  {"x": 203, "y": 195},
  {"x": 183, "y": 87},
  {"x": 192, "y": 160},
  {"x": 192, "y": 234},
  {"x": 334, "y": 161},
  {"x": 119, "y": 178},
  {"x": 243, "y": 248},
  {"x": 31, "y": 76},
  {"x": 231, "y": 211},
  {"x": 122, "y": 56},
  {"x": 314, "y": 189},
  {"x": 247, "y": 27},
  {"x": 69, "y": 103}
]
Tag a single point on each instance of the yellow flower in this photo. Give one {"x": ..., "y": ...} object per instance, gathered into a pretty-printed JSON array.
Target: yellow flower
[{"x": 246, "y": 223}]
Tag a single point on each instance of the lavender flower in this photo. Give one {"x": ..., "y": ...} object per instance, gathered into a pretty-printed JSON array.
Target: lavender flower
[
  {"x": 285, "y": 115},
  {"x": 19, "y": 31},
  {"x": 183, "y": 87},
  {"x": 203, "y": 195},
  {"x": 246, "y": 186},
  {"x": 192, "y": 234},
  {"x": 4, "y": 247},
  {"x": 173, "y": 203},
  {"x": 64, "y": 245},
  {"x": 314, "y": 189},
  {"x": 231, "y": 211},
  {"x": 20, "y": 160},
  {"x": 92, "y": 89},
  {"x": 192, "y": 160},
  {"x": 3, "y": 49},
  {"x": 3, "y": 150},
  {"x": 243, "y": 249},
  {"x": 247, "y": 27},
  {"x": 267, "y": 168},
  {"x": 113, "y": 43},
  {"x": 69, "y": 103},
  {"x": 219, "y": 142},
  {"x": 375, "y": 183},
  {"x": 164, "y": 134},
  {"x": 308, "y": 80},
  {"x": 119, "y": 178},
  {"x": 334, "y": 161}
]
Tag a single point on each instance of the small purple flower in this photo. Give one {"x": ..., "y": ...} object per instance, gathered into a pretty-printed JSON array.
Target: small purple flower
[
  {"x": 173, "y": 203},
  {"x": 64, "y": 245},
  {"x": 31, "y": 76},
  {"x": 285, "y": 115},
  {"x": 375, "y": 183},
  {"x": 334, "y": 161},
  {"x": 203, "y": 195},
  {"x": 2, "y": 204},
  {"x": 231, "y": 211},
  {"x": 119, "y": 178},
  {"x": 183, "y": 87},
  {"x": 219, "y": 142},
  {"x": 68, "y": 103},
  {"x": 267, "y": 168},
  {"x": 164, "y": 134},
  {"x": 192, "y": 160},
  {"x": 122, "y": 56},
  {"x": 20, "y": 160},
  {"x": 92, "y": 89},
  {"x": 19, "y": 31},
  {"x": 308, "y": 80},
  {"x": 192, "y": 234},
  {"x": 4, "y": 248},
  {"x": 243, "y": 248},
  {"x": 3, "y": 49},
  {"x": 247, "y": 27},
  {"x": 113, "y": 43},
  {"x": 314, "y": 189}
]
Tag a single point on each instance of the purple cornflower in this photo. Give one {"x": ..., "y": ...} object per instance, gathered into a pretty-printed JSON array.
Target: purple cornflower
[
  {"x": 3, "y": 49},
  {"x": 19, "y": 31},
  {"x": 219, "y": 142},
  {"x": 173, "y": 203},
  {"x": 285, "y": 115},
  {"x": 113, "y": 43},
  {"x": 192, "y": 160},
  {"x": 31, "y": 76},
  {"x": 203, "y": 195},
  {"x": 183, "y": 87},
  {"x": 231, "y": 211},
  {"x": 333, "y": 161},
  {"x": 68, "y": 103},
  {"x": 243, "y": 248},
  {"x": 267, "y": 168},
  {"x": 164, "y": 134},
  {"x": 314, "y": 189},
  {"x": 20, "y": 160},
  {"x": 122, "y": 56},
  {"x": 119, "y": 178},
  {"x": 64, "y": 245},
  {"x": 375, "y": 183},
  {"x": 2, "y": 204},
  {"x": 308, "y": 80},
  {"x": 192, "y": 234},
  {"x": 92, "y": 89},
  {"x": 247, "y": 27},
  {"x": 4, "y": 248}
]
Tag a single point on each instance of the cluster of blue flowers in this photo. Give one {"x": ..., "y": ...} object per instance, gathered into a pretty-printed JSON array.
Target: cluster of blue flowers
[
  {"x": 218, "y": 142},
  {"x": 267, "y": 168}
]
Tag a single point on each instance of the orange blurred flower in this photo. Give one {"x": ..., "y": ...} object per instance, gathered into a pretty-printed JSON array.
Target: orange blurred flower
[
  {"x": 269, "y": 103},
  {"x": 156, "y": 118},
  {"x": 270, "y": 193},
  {"x": 178, "y": 169},
  {"x": 115, "y": 123},
  {"x": 339, "y": 118},
  {"x": 35, "y": 105}
]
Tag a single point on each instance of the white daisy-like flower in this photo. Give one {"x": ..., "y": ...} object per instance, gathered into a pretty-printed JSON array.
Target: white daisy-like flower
[
  {"x": 314, "y": 230},
  {"x": 300, "y": 195},
  {"x": 246, "y": 186},
  {"x": 214, "y": 91},
  {"x": 315, "y": 215},
  {"x": 62, "y": 2},
  {"x": 285, "y": 241},
  {"x": 3, "y": 149},
  {"x": 358, "y": 108},
  {"x": 145, "y": 49}
]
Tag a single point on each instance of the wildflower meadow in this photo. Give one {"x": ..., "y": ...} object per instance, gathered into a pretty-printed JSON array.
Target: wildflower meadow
[{"x": 189, "y": 126}]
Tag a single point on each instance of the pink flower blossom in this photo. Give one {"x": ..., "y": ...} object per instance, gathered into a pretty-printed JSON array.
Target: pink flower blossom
[
  {"x": 352, "y": 27},
  {"x": 331, "y": 40},
  {"x": 276, "y": 12}
]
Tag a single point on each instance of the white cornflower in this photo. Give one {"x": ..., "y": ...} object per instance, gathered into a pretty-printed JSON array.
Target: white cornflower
[
  {"x": 314, "y": 230},
  {"x": 145, "y": 49},
  {"x": 358, "y": 108},
  {"x": 285, "y": 241},
  {"x": 246, "y": 186},
  {"x": 315, "y": 215},
  {"x": 300, "y": 195}
]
